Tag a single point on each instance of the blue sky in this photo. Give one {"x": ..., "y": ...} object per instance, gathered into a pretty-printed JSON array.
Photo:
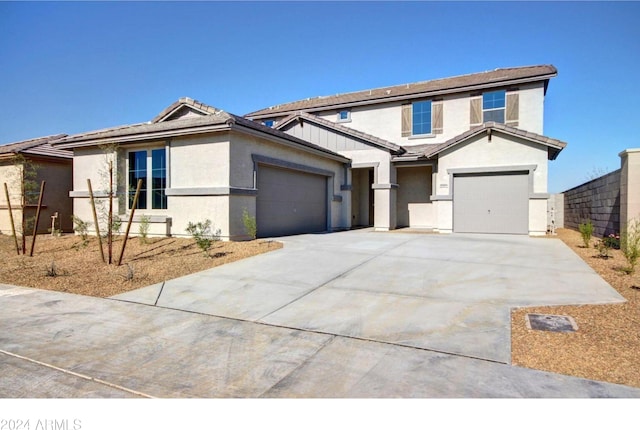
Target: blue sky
[{"x": 74, "y": 67}]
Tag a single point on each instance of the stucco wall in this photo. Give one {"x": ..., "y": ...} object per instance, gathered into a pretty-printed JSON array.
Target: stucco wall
[
  {"x": 10, "y": 174},
  {"x": 629, "y": 185},
  {"x": 483, "y": 155},
  {"x": 58, "y": 180},
  {"x": 384, "y": 120},
  {"x": 242, "y": 150},
  {"x": 597, "y": 200}
]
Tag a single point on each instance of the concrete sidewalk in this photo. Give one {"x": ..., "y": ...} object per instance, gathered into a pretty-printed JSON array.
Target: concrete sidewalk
[
  {"x": 62, "y": 345},
  {"x": 445, "y": 293}
]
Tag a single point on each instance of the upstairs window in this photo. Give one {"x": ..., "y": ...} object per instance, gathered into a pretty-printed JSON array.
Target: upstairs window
[
  {"x": 153, "y": 197},
  {"x": 344, "y": 116},
  {"x": 268, "y": 123},
  {"x": 493, "y": 106},
  {"x": 498, "y": 106},
  {"x": 422, "y": 118}
]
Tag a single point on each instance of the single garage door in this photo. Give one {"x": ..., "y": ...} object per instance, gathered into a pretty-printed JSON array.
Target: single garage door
[
  {"x": 290, "y": 202},
  {"x": 497, "y": 203}
]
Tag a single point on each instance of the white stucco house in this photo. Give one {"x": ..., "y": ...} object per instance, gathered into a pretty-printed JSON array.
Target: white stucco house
[{"x": 460, "y": 154}]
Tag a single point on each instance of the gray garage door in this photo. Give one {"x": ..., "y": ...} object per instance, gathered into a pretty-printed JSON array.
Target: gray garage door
[
  {"x": 485, "y": 203},
  {"x": 290, "y": 202}
]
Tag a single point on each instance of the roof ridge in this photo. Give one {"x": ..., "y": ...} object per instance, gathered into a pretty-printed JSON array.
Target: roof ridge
[{"x": 410, "y": 88}]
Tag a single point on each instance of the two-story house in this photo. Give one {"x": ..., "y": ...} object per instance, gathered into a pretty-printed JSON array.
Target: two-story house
[{"x": 460, "y": 154}]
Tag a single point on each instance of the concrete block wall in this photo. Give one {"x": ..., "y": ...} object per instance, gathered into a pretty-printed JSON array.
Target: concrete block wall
[{"x": 597, "y": 200}]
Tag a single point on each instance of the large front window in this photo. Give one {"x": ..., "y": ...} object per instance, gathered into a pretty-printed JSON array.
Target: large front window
[
  {"x": 493, "y": 105},
  {"x": 150, "y": 166}
]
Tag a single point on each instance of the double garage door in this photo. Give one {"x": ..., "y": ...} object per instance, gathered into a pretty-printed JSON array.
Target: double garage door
[
  {"x": 491, "y": 203},
  {"x": 290, "y": 202}
]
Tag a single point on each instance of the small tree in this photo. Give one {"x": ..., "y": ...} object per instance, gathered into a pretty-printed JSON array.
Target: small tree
[
  {"x": 249, "y": 224},
  {"x": 586, "y": 231},
  {"x": 630, "y": 244}
]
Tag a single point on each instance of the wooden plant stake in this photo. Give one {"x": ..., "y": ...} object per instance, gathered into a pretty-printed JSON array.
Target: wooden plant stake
[
  {"x": 133, "y": 210},
  {"x": 95, "y": 219},
  {"x": 35, "y": 224},
  {"x": 13, "y": 226},
  {"x": 110, "y": 226}
]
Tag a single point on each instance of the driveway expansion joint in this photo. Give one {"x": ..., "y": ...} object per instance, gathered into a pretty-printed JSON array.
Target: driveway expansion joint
[{"x": 79, "y": 375}]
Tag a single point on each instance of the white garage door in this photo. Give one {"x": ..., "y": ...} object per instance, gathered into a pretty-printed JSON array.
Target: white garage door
[
  {"x": 290, "y": 202},
  {"x": 497, "y": 203}
]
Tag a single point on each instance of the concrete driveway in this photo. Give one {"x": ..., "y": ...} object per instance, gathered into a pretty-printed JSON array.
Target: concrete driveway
[
  {"x": 445, "y": 293},
  {"x": 356, "y": 314}
]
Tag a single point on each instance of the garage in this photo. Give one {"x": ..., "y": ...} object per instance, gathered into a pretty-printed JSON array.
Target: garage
[
  {"x": 290, "y": 202},
  {"x": 491, "y": 203}
]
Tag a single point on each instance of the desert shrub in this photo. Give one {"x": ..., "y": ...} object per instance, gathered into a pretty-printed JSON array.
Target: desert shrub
[
  {"x": 250, "y": 225},
  {"x": 586, "y": 231},
  {"x": 603, "y": 249},
  {"x": 630, "y": 244},
  {"x": 52, "y": 270},
  {"x": 203, "y": 234},
  {"x": 82, "y": 228},
  {"x": 612, "y": 241},
  {"x": 143, "y": 228}
]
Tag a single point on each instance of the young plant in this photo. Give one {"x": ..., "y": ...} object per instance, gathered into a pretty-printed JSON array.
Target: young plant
[
  {"x": 143, "y": 228},
  {"x": 82, "y": 228},
  {"x": 203, "y": 234},
  {"x": 603, "y": 249},
  {"x": 630, "y": 244},
  {"x": 586, "y": 231},
  {"x": 250, "y": 225}
]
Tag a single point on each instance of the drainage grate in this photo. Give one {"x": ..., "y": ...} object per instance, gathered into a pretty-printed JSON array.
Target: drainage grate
[{"x": 559, "y": 323}]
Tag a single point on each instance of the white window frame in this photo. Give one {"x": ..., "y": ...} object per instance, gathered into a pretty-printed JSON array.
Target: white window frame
[{"x": 339, "y": 116}]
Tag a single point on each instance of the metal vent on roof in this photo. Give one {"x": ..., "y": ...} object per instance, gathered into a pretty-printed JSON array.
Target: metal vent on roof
[{"x": 557, "y": 323}]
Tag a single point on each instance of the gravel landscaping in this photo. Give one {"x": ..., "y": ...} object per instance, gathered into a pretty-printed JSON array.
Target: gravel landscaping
[
  {"x": 65, "y": 264},
  {"x": 606, "y": 345}
]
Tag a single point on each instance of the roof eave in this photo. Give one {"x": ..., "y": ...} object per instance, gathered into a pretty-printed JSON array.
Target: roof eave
[
  {"x": 387, "y": 99},
  {"x": 138, "y": 137},
  {"x": 287, "y": 142}
]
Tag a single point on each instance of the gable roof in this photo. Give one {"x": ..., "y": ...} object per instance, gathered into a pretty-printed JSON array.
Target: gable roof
[
  {"x": 470, "y": 82},
  {"x": 432, "y": 151},
  {"x": 39, "y": 146},
  {"x": 215, "y": 120},
  {"x": 184, "y": 104},
  {"x": 339, "y": 128}
]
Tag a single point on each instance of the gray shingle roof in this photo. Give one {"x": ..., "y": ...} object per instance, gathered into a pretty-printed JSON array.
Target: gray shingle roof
[
  {"x": 376, "y": 141},
  {"x": 431, "y": 151},
  {"x": 38, "y": 146},
  {"x": 471, "y": 82},
  {"x": 215, "y": 120}
]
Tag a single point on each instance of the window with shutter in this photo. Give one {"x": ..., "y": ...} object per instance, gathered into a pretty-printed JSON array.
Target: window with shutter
[{"x": 422, "y": 118}]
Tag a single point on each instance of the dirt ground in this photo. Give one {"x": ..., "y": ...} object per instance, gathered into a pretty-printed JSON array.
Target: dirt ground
[
  {"x": 606, "y": 346},
  {"x": 64, "y": 264}
]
